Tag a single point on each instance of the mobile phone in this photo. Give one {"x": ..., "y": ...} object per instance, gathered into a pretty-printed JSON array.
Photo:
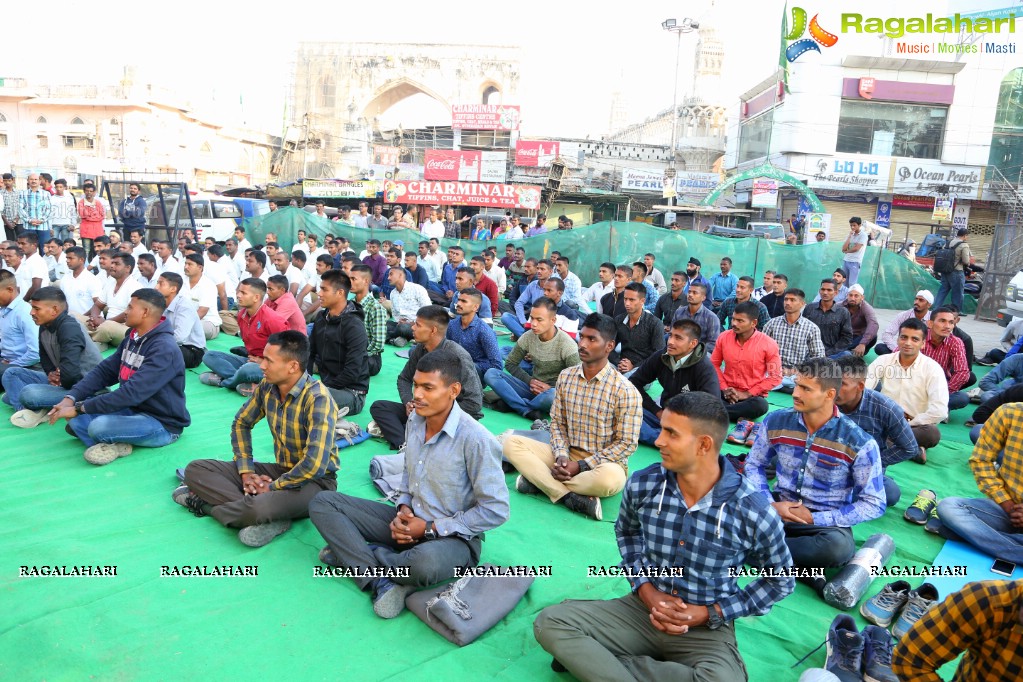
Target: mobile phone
[{"x": 1003, "y": 567}]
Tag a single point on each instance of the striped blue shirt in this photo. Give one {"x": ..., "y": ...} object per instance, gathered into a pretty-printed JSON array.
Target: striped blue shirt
[
  {"x": 35, "y": 206},
  {"x": 883, "y": 420}
]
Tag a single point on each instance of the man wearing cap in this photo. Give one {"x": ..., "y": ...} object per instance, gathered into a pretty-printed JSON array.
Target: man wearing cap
[
  {"x": 952, "y": 283},
  {"x": 921, "y": 310},
  {"x": 855, "y": 248},
  {"x": 695, "y": 277},
  {"x": 863, "y": 319}
]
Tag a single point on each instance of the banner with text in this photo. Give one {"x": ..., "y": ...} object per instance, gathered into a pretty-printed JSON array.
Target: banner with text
[
  {"x": 535, "y": 152},
  {"x": 465, "y": 166},
  {"x": 484, "y": 117},
  {"x": 961, "y": 215},
  {"x": 943, "y": 208},
  {"x": 686, "y": 182},
  {"x": 386, "y": 156},
  {"x": 765, "y": 193},
  {"x": 463, "y": 194},
  {"x": 339, "y": 189}
]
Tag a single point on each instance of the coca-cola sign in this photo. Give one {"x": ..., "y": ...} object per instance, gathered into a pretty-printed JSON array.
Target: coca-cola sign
[
  {"x": 535, "y": 152},
  {"x": 465, "y": 166}
]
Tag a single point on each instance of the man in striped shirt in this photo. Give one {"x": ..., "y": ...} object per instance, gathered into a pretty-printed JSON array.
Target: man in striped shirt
[
  {"x": 948, "y": 351},
  {"x": 35, "y": 208},
  {"x": 798, "y": 338}
]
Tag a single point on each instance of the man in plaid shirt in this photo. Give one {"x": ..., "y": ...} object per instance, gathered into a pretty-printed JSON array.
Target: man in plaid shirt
[
  {"x": 946, "y": 349},
  {"x": 34, "y": 209},
  {"x": 678, "y": 621}
]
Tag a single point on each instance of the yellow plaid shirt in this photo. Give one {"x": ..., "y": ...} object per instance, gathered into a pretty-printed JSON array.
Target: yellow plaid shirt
[
  {"x": 600, "y": 416},
  {"x": 1003, "y": 432},
  {"x": 981, "y": 619},
  {"x": 302, "y": 425}
]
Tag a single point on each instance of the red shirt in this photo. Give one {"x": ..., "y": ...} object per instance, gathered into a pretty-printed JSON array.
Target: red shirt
[
  {"x": 488, "y": 288},
  {"x": 287, "y": 307},
  {"x": 257, "y": 329},
  {"x": 951, "y": 357},
  {"x": 753, "y": 366}
]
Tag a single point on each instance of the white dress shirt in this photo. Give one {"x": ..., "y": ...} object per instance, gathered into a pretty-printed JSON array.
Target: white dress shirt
[{"x": 921, "y": 389}]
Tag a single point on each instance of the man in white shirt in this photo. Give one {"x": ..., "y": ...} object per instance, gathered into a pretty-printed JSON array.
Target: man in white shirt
[
  {"x": 106, "y": 319},
  {"x": 434, "y": 227},
  {"x": 495, "y": 271},
  {"x": 271, "y": 250},
  {"x": 604, "y": 285},
  {"x": 921, "y": 310},
  {"x": 80, "y": 286},
  {"x": 165, "y": 260},
  {"x": 145, "y": 270},
  {"x": 313, "y": 252},
  {"x": 307, "y": 299},
  {"x": 63, "y": 211},
  {"x": 243, "y": 243},
  {"x": 202, "y": 293},
  {"x": 138, "y": 246},
  {"x": 292, "y": 269},
  {"x": 914, "y": 381},
  {"x": 440, "y": 258},
  {"x": 214, "y": 272},
  {"x": 255, "y": 265},
  {"x": 405, "y": 301},
  {"x": 56, "y": 261},
  {"x": 427, "y": 262},
  {"x": 33, "y": 265},
  {"x": 654, "y": 275},
  {"x": 235, "y": 254},
  {"x": 300, "y": 244},
  {"x": 573, "y": 287},
  {"x": 228, "y": 268}
]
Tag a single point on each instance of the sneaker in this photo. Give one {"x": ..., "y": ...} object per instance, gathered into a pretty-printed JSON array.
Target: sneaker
[
  {"x": 845, "y": 649},
  {"x": 262, "y": 533},
  {"x": 500, "y": 406},
  {"x": 189, "y": 500},
  {"x": 738, "y": 462},
  {"x": 921, "y": 508},
  {"x": 540, "y": 425},
  {"x": 211, "y": 379},
  {"x": 534, "y": 416},
  {"x": 974, "y": 395},
  {"x": 246, "y": 390},
  {"x": 526, "y": 487},
  {"x": 587, "y": 506},
  {"x": 399, "y": 342},
  {"x": 920, "y": 599},
  {"x": 740, "y": 432},
  {"x": 934, "y": 524},
  {"x": 105, "y": 453},
  {"x": 28, "y": 419},
  {"x": 986, "y": 362},
  {"x": 877, "y": 655},
  {"x": 882, "y": 608},
  {"x": 327, "y": 556},
  {"x": 389, "y": 598},
  {"x": 752, "y": 435},
  {"x": 374, "y": 430}
]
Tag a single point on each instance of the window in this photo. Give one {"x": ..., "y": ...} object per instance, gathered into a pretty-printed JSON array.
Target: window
[
  {"x": 755, "y": 136},
  {"x": 43, "y": 141},
  {"x": 3, "y": 139},
  {"x": 226, "y": 209},
  {"x": 41, "y": 119},
  {"x": 1007, "y": 139},
  {"x": 326, "y": 92},
  {"x": 891, "y": 129},
  {"x": 77, "y": 142},
  {"x": 77, "y": 121}
]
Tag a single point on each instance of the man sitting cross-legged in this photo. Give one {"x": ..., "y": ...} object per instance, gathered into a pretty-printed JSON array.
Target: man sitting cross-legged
[
  {"x": 148, "y": 407},
  {"x": 550, "y": 351},
  {"x": 828, "y": 468},
  {"x": 183, "y": 318},
  {"x": 65, "y": 353},
  {"x": 595, "y": 421},
  {"x": 752, "y": 365},
  {"x": 798, "y": 338},
  {"x": 683, "y": 368},
  {"x": 640, "y": 334},
  {"x": 262, "y": 499},
  {"x": 256, "y": 322},
  {"x": 337, "y": 344},
  {"x": 473, "y": 334},
  {"x": 429, "y": 331},
  {"x": 692, "y": 512},
  {"x": 452, "y": 492}
]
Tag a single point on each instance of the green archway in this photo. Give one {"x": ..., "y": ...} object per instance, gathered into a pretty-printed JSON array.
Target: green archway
[{"x": 766, "y": 170}]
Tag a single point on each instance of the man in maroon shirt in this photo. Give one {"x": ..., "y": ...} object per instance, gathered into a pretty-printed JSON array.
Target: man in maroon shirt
[
  {"x": 484, "y": 284},
  {"x": 280, "y": 300},
  {"x": 376, "y": 262},
  {"x": 946, "y": 349},
  {"x": 752, "y": 364},
  {"x": 256, "y": 322}
]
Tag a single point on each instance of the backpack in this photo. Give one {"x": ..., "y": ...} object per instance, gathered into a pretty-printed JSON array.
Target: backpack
[{"x": 945, "y": 259}]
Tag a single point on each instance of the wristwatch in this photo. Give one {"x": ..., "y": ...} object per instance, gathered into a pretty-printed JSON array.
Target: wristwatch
[
  {"x": 714, "y": 620},
  {"x": 80, "y": 407},
  {"x": 430, "y": 533}
]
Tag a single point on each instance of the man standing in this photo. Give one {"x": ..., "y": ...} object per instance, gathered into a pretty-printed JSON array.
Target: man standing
[
  {"x": 406, "y": 299},
  {"x": 952, "y": 283},
  {"x": 376, "y": 315},
  {"x": 361, "y": 218},
  {"x": 65, "y": 213},
  {"x": 430, "y": 332},
  {"x": 828, "y": 471},
  {"x": 378, "y": 220},
  {"x": 433, "y": 227},
  {"x": 472, "y": 334},
  {"x": 752, "y": 365},
  {"x": 433, "y": 531},
  {"x": 675, "y": 628},
  {"x": 855, "y": 248},
  {"x": 262, "y": 499},
  {"x": 539, "y": 227},
  {"x": 337, "y": 345},
  {"x": 183, "y": 319},
  {"x": 35, "y": 209},
  {"x": 595, "y": 421},
  {"x": 132, "y": 210},
  {"x": 640, "y": 334},
  {"x": 948, "y": 351},
  {"x": 863, "y": 321},
  {"x": 774, "y": 300},
  {"x": 743, "y": 294},
  {"x": 798, "y": 339},
  {"x": 723, "y": 284},
  {"x": 148, "y": 407},
  {"x": 921, "y": 310},
  {"x": 10, "y": 211},
  {"x": 699, "y": 313},
  {"x": 833, "y": 321}
]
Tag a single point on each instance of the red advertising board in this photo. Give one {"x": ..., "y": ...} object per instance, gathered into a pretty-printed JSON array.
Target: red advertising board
[
  {"x": 535, "y": 152},
  {"x": 462, "y": 193},
  {"x": 484, "y": 117},
  {"x": 385, "y": 156},
  {"x": 465, "y": 166},
  {"x": 909, "y": 201}
]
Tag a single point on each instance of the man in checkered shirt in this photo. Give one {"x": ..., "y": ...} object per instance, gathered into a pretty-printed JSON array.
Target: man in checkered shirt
[{"x": 686, "y": 527}]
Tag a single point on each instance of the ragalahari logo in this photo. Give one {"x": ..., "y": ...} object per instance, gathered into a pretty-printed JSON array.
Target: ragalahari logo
[{"x": 802, "y": 45}]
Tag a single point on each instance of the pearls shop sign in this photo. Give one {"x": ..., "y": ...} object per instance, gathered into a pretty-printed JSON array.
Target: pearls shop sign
[{"x": 915, "y": 176}]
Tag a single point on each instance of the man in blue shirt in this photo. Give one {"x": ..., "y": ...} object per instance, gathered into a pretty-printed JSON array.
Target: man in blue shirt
[
  {"x": 473, "y": 334},
  {"x": 452, "y": 491},
  {"x": 680, "y": 616},
  {"x": 722, "y": 284},
  {"x": 417, "y": 273},
  {"x": 516, "y": 322},
  {"x": 828, "y": 469},
  {"x": 19, "y": 336},
  {"x": 35, "y": 209}
]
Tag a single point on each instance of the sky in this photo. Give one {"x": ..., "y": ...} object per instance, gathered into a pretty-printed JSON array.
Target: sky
[{"x": 575, "y": 56}]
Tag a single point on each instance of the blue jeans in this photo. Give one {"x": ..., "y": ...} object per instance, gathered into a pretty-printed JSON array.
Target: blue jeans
[
  {"x": 526, "y": 365},
  {"x": 649, "y": 428},
  {"x": 975, "y": 433},
  {"x": 42, "y": 236},
  {"x": 233, "y": 369},
  {"x": 516, "y": 393},
  {"x": 61, "y": 232},
  {"x": 788, "y": 383},
  {"x": 510, "y": 321},
  {"x": 29, "y": 389},
  {"x": 951, "y": 285},
  {"x": 123, "y": 426},
  {"x": 853, "y": 269},
  {"x": 983, "y": 524},
  {"x": 958, "y": 400}
]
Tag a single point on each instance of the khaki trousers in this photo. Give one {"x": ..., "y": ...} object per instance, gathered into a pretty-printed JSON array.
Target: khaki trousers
[
  {"x": 534, "y": 460},
  {"x": 109, "y": 333}
]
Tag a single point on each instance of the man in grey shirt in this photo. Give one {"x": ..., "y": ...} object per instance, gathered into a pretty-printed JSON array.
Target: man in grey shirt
[
  {"x": 184, "y": 319},
  {"x": 452, "y": 491},
  {"x": 378, "y": 220}
]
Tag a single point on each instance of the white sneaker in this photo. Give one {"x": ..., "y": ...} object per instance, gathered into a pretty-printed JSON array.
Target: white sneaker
[
  {"x": 105, "y": 453},
  {"x": 374, "y": 430},
  {"x": 28, "y": 419}
]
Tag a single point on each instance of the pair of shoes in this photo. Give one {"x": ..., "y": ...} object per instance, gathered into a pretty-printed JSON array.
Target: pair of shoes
[
  {"x": 374, "y": 430},
  {"x": 526, "y": 487},
  {"x": 261, "y": 534},
  {"x": 190, "y": 501},
  {"x": 921, "y": 457},
  {"x": 211, "y": 379},
  {"x": 345, "y": 429},
  {"x": 534, "y": 416},
  {"x": 934, "y": 524},
  {"x": 744, "y": 433},
  {"x": 738, "y": 462},
  {"x": 855, "y": 655},
  {"x": 587, "y": 506},
  {"x": 389, "y": 597},
  {"x": 986, "y": 362},
  {"x": 898, "y": 598},
  {"x": 105, "y": 453},
  {"x": 28, "y": 419},
  {"x": 918, "y": 512},
  {"x": 399, "y": 342},
  {"x": 500, "y": 406},
  {"x": 540, "y": 425}
]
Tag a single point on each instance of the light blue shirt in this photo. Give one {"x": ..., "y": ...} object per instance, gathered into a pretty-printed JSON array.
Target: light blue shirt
[
  {"x": 19, "y": 335},
  {"x": 430, "y": 265},
  {"x": 722, "y": 286},
  {"x": 455, "y": 478},
  {"x": 574, "y": 290}
]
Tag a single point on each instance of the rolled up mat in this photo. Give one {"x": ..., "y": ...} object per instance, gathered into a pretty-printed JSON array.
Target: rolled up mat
[{"x": 846, "y": 588}]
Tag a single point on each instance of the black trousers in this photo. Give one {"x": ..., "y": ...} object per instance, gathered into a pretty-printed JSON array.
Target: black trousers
[
  {"x": 192, "y": 356},
  {"x": 391, "y": 418},
  {"x": 395, "y": 329},
  {"x": 750, "y": 408},
  {"x": 374, "y": 364}
]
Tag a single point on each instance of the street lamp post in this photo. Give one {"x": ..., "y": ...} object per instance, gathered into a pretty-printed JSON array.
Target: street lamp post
[{"x": 687, "y": 25}]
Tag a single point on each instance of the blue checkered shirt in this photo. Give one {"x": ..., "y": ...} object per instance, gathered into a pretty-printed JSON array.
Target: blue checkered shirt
[
  {"x": 479, "y": 340},
  {"x": 35, "y": 206},
  {"x": 883, "y": 420},
  {"x": 730, "y": 526},
  {"x": 835, "y": 473}
]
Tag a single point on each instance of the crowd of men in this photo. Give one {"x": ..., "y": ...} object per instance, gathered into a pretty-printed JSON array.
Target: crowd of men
[{"x": 717, "y": 347}]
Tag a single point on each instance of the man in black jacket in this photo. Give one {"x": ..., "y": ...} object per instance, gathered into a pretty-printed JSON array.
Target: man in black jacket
[
  {"x": 65, "y": 353},
  {"x": 337, "y": 345},
  {"x": 684, "y": 367},
  {"x": 639, "y": 332},
  {"x": 775, "y": 301},
  {"x": 671, "y": 301}
]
